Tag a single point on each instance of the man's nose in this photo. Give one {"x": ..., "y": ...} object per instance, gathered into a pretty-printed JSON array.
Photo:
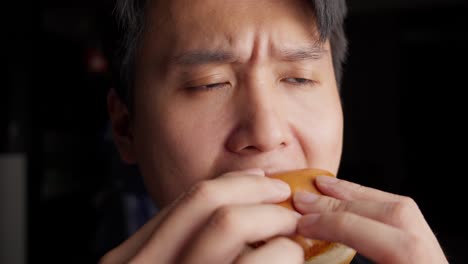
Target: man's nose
[{"x": 262, "y": 123}]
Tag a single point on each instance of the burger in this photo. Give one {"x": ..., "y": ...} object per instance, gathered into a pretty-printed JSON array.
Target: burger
[{"x": 315, "y": 251}]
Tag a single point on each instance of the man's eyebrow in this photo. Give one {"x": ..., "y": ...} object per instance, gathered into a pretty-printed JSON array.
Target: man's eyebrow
[
  {"x": 311, "y": 52},
  {"x": 200, "y": 57}
]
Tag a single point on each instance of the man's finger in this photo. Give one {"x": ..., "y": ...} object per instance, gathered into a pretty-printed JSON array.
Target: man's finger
[
  {"x": 377, "y": 241},
  {"x": 346, "y": 190},
  {"x": 402, "y": 214},
  {"x": 193, "y": 209},
  {"x": 232, "y": 227}
]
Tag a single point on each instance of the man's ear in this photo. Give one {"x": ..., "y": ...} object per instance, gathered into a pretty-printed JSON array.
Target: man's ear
[{"x": 122, "y": 130}]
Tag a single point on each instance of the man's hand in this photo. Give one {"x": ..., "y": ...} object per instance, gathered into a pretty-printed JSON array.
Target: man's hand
[
  {"x": 214, "y": 221},
  {"x": 384, "y": 227}
]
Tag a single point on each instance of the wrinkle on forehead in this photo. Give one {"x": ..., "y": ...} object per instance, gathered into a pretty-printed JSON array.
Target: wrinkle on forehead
[
  {"x": 184, "y": 14},
  {"x": 245, "y": 27}
]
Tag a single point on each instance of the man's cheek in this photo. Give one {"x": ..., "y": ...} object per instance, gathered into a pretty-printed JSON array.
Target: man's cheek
[
  {"x": 322, "y": 142},
  {"x": 191, "y": 148}
]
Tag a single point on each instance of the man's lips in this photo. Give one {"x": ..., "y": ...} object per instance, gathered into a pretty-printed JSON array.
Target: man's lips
[
  {"x": 268, "y": 170},
  {"x": 273, "y": 171},
  {"x": 269, "y": 163}
]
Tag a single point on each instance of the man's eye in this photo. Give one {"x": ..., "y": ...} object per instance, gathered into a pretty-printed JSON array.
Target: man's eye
[
  {"x": 208, "y": 87},
  {"x": 298, "y": 81}
]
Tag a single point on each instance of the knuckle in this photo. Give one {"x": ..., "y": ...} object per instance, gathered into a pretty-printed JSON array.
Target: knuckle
[
  {"x": 398, "y": 213},
  {"x": 402, "y": 211},
  {"x": 344, "y": 206},
  {"x": 225, "y": 219},
  {"x": 330, "y": 204},
  {"x": 205, "y": 191},
  {"x": 413, "y": 250},
  {"x": 409, "y": 251},
  {"x": 409, "y": 202},
  {"x": 342, "y": 221},
  {"x": 335, "y": 205}
]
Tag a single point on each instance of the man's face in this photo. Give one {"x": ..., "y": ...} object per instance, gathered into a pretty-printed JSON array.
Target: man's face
[{"x": 231, "y": 85}]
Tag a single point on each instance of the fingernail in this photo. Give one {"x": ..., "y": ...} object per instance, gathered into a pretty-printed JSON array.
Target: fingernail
[
  {"x": 305, "y": 197},
  {"x": 282, "y": 186},
  {"x": 259, "y": 172},
  {"x": 326, "y": 180}
]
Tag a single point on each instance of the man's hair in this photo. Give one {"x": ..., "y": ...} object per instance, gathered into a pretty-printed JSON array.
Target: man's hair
[{"x": 130, "y": 15}]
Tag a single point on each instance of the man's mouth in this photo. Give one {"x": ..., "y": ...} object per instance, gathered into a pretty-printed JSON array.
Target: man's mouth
[{"x": 272, "y": 171}]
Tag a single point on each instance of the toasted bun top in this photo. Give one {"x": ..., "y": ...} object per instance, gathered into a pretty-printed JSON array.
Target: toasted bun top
[{"x": 300, "y": 180}]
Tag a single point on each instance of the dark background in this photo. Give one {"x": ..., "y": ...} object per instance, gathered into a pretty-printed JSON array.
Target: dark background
[{"x": 402, "y": 94}]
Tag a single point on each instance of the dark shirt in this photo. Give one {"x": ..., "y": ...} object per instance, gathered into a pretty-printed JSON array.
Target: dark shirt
[{"x": 358, "y": 259}]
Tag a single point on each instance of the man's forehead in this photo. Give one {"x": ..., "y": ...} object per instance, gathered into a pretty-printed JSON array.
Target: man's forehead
[
  {"x": 195, "y": 12},
  {"x": 213, "y": 30},
  {"x": 207, "y": 4}
]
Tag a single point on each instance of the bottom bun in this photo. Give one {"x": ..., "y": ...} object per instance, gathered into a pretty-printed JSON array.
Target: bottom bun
[
  {"x": 315, "y": 251},
  {"x": 335, "y": 254}
]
